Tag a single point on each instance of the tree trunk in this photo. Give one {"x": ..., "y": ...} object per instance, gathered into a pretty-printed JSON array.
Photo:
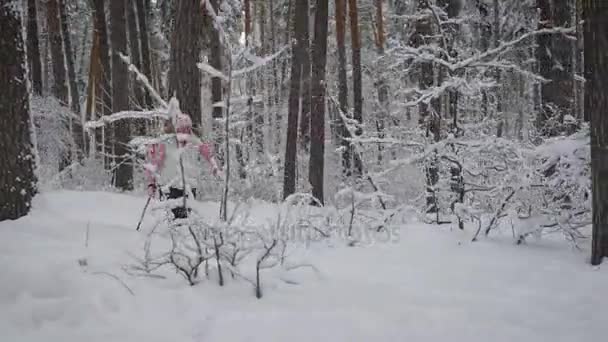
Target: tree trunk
[
  {"x": 247, "y": 10},
  {"x": 59, "y": 88},
  {"x": 381, "y": 86},
  {"x": 146, "y": 66},
  {"x": 104, "y": 83},
  {"x": 17, "y": 150},
  {"x": 76, "y": 124},
  {"x": 120, "y": 93},
  {"x": 215, "y": 59},
  {"x": 135, "y": 55},
  {"x": 596, "y": 103},
  {"x": 555, "y": 54},
  {"x": 356, "y": 61},
  {"x": 33, "y": 47},
  {"x": 297, "y": 52},
  {"x": 422, "y": 34},
  {"x": 305, "y": 117},
  {"x": 69, "y": 57},
  {"x": 318, "y": 87},
  {"x": 186, "y": 44},
  {"x": 342, "y": 86}
]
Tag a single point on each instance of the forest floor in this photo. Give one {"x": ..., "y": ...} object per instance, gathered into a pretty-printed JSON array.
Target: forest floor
[{"x": 430, "y": 284}]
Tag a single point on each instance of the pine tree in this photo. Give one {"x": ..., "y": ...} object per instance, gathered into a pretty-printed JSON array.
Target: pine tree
[
  {"x": 146, "y": 64},
  {"x": 186, "y": 45},
  {"x": 595, "y": 14},
  {"x": 17, "y": 150},
  {"x": 33, "y": 47},
  {"x": 555, "y": 55},
  {"x": 120, "y": 93},
  {"x": 101, "y": 31},
  {"x": 318, "y": 88},
  {"x": 299, "y": 23},
  {"x": 76, "y": 124},
  {"x": 60, "y": 87}
]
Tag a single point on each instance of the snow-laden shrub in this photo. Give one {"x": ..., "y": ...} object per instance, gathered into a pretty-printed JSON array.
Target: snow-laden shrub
[{"x": 53, "y": 135}]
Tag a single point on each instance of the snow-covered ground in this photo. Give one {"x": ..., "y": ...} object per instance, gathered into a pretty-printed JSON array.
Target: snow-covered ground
[{"x": 431, "y": 285}]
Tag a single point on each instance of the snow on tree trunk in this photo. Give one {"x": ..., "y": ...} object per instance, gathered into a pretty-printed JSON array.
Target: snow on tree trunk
[
  {"x": 596, "y": 104},
  {"x": 17, "y": 147},
  {"x": 120, "y": 93},
  {"x": 318, "y": 87}
]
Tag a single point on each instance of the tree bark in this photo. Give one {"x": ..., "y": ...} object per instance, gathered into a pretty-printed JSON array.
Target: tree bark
[
  {"x": 342, "y": 86},
  {"x": 17, "y": 150},
  {"x": 428, "y": 120},
  {"x": 596, "y": 103},
  {"x": 146, "y": 64},
  {"x": 381, "y": 85},
  {"x": 69, "y": 57},
  {"x": 76, "y": 124},
  {"x": 305, "y": 117},
  {"x": 318, "y": 87},
  {"x": 33, "y": 47},
  {"x": 120, "y": 93},
  {"x": 104, "y": 82},
  {"x": 555, "y": 54},
  {"x": 215, "y": 59},
  {"x": 356, "y": 62},
  {"x": 135, "y": 55},
  {"x": 186, "y": 44},
  {"x": 59, "y": 88}
]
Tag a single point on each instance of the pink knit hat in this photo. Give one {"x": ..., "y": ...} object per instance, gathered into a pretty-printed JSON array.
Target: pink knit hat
[{"x": 183, "y": 124}]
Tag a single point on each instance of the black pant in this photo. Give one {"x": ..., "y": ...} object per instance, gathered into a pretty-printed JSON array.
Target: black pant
[{"x": 179, "y": 212}]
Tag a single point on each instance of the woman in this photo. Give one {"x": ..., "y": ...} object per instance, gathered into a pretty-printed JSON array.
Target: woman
[{"x": 164, "y": 167}]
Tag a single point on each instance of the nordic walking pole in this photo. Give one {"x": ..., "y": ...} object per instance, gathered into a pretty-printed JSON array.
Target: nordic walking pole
[{"x": 143, "y": 213}]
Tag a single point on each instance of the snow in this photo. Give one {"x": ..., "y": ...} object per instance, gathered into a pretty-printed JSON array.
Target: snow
[{"x": 63, "y": 280}]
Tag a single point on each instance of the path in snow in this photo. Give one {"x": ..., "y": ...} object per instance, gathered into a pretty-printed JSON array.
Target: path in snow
[{"x": 433, "y": 285}]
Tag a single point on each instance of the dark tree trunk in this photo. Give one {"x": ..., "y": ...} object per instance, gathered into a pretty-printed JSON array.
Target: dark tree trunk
[
  {"x": 429, "y": 121},
  {"x": 135, "y": 54},
  {"x": 297, "y": 51},
  {"x": 306, "y": 75},
  {"x": 381, "y": 86},
  {"x": 596, "y": 104},
  {"x": 342, "y": 86},
  {"x": 76, "y": 124},
  {"x": 215, "y": 59},
  {"x": 33, "y": 47},
  {"x": 318, "y": 86},
  {"x": 59, "y": 88},
  {"x": 104, "y": 83},
  {"x": 17, "y": 150},
  {"x": 356, "y": 61},
  {"x": 146, "y": 64},
  {"x": 485, "y": 30},
  {"x": 555, "y": 53},
  {"x": 184, "y": 76},
  {"x": 69, "y": 57},
  {"x": 120, "y": 93}
]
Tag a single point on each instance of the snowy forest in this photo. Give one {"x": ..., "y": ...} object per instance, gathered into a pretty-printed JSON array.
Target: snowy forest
[{"x": 297, "y": 170}]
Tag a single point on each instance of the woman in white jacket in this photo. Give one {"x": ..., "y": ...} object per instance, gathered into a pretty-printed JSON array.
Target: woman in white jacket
[{"x": 163, "y": 162}]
